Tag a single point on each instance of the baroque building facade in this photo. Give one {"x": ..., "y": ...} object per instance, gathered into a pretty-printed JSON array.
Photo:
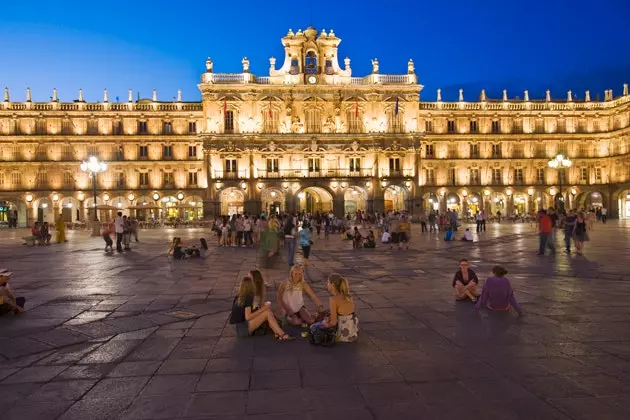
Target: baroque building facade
[{"x": 311, "y": 136}]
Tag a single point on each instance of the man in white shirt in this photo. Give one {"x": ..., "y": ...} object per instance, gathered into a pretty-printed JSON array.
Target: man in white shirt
[
  {"x": 604, "y": 214},
  {"x": 119, "y": 227}
]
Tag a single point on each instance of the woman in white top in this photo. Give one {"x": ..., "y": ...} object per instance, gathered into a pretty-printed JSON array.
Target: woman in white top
[{"x": 291, "y": 298}]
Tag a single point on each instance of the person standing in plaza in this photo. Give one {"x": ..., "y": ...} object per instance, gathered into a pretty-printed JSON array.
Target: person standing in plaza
[
  {"x": 119, "y": 226},
  {"x": 289, "y": 239},
  {"x": 604, "y": 214},
  {"x": 478, "y": 220},
  {"x": 544, "y": 233},
  {"x": 554, "y": 224},
  {"x": 580, "y": 234},
  {"x": 305, "y": 243},
  {"x": 568, "y": 225}
]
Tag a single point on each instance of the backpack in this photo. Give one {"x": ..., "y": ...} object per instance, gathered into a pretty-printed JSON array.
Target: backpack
[{"x": 322, "y": 337}]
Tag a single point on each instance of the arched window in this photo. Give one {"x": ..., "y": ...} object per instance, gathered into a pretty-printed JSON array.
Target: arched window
[
  {"x": 295, "y": 66},
  {"x": 310, "y": 64}
]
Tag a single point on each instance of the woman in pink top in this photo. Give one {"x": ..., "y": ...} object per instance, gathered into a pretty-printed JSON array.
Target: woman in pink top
[{"x": 497, "y": 294}]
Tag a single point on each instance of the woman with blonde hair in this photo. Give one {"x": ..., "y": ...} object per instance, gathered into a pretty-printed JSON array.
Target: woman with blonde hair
[
  {"x": 341, "y": 316},
  {"x": 291, "y": 298},
  {"x": 247, "y": 319}
]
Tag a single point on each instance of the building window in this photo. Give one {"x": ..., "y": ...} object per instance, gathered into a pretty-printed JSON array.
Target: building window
[
  {"x": 192, "y": 127},
  {"x": 192, "y": 151},
  {"x": 474, "y": 151},
  {"x": 167, "y": 152},
  {"x": 143, "y": 179},
  {"x": 143, "y": 152},
  {"x": 429, "y": 174},
  {"x": 40, "y": 127},
  {"x": 16, "y": 179},
  {"x": 518, "y": 175},
  {"x": 561, "y": 126},
  {"x": 395, "y": 122},
  {"x": 355, "y": 122},
  {"x": 230, "y": 166},
  {"x": 313, "y": 164},
  {"x": 120, "y": 180},
  {"x": 496, "y": 127},
  {"x": 270, "y": 121},
  {"x": 192, "y": 178},
  {"x": 228, "y": 122},
  {"x": 429, "y": 150},
  {"x": 66, "y": 128},
  {"x": 313, "y": 121},
  {"x": 394, "y": 165},
  {"x": 540, "y": 175},
  {"x": 474, "y": 127},
  {"x": 92, "y": 128},
  {"x": 2, "y": 181},
  {"x": 474, "y": 177},
  {"x": 452, "y": 176},
  {"x": 428, "y": 126},
  {"x": 496, "y": 151},
  {"x": 42, "y": 179},
  {"x": 167, "y": 179},
  {"x": 598, "y": 175},
  {"x": 540, "y": 126},
  {"x": 310, "y": 63},
  {"x": 450, "y": 126},
  {"x": 142, "y": 127},
  {"x": 68, "y": 179},
  {"x": 273, "y": 165},
  {"x": 355, "y": 164},
  {"x": 583, "y": 174},
  {"x": 517, "y": 151},
  {"x": 496, "y": 176},
  {"x": 118, "y": 128},
  {"x": 167, "y": 128},
  {"x": 66, "y": 152}
]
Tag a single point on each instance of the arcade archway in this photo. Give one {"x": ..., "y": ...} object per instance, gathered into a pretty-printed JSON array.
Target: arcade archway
[
  {"x": 395, "y": 198},
  {"x": 314, "y": 199},
  {"x": 232, "y": 201},
  {"x": 273, "y": 200},
  {"x": 354, "y": 199}
]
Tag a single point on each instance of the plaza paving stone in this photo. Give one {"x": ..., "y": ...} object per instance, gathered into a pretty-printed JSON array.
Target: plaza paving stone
[{"x": 140, "y": 336}]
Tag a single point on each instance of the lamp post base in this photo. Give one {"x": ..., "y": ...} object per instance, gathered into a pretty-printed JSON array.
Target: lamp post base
[{"x": 96, "y": 228}]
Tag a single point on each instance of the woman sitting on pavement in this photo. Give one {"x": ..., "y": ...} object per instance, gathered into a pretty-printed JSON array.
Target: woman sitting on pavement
[
  {"x": 341, "y": 315},
  {"x": 176, "y": 249},
  {"x": 247, "y": 319},
  {"x": 357, "y": 239},
  {"x": 8, "y": 302},
  {"x": 260, "y": 290},
  {"x": 291, "y": 298},
  {"x": 370, "y": 241},
  {"x": 467, "y": 236},
  {"x": 465, "y": 282},
  {"x": 497, "y": 294}
]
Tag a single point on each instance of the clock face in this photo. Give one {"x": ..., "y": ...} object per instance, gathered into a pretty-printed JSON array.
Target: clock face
[{"x": 312, "y": 80}]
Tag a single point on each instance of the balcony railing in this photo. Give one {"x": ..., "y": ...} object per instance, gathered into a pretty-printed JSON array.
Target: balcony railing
[
  {"x": 239, "y": 174},
  {"x": 393, "y": 173},
  {"x": 321, "y": 173}
]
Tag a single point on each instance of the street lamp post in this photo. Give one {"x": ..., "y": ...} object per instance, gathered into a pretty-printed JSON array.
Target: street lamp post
[
  {"x": 560, "y": 162},
  {"x": 94, "y": 166}
]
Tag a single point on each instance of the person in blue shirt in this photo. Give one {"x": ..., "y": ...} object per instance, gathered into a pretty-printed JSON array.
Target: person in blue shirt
[{"x": 305, "y": 242}]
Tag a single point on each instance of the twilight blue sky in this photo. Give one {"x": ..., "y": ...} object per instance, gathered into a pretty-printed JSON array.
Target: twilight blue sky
[{"x": 140, "y": 44}]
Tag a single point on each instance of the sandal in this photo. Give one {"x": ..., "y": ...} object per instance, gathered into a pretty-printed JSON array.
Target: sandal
[{"x": 285, "y": 337}]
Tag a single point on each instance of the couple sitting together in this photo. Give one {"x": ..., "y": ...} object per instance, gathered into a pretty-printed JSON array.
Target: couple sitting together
[
  {"x": 497, "y": 293},
  {"x": 251, "y": 313}
]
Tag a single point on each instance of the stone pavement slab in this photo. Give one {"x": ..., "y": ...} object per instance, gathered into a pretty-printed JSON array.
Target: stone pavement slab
[{"x": 140, "y": 336}]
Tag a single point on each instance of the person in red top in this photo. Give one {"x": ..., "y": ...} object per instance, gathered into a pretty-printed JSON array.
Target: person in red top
[{"x": 544, "y": 232}]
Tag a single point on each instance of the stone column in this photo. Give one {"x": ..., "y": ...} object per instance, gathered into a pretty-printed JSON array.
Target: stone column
[
  {"x": 30, "y": 218},
  {"x": 338, "y": 204},
  {"x": 510, "y": 205}
]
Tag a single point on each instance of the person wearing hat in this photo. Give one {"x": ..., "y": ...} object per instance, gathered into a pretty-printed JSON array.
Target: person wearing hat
[{"x": 8, "y": 302}]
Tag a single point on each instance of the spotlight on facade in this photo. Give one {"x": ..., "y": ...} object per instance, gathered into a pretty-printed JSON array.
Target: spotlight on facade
[
  {"x": 180, "y": 196},
  {"x": 81, "y": 196},
  {"x": 368, "y": 184},
  {"x": 334, "y": 184},
  {"x": 464, "y": 193},
  {"x": 301, "y": 195},
  {"x": 156, "y": 196},
  {"x": 573, "y": 191},
  {"x": 106, "y": 197},
  {"x": 486, "y": 193},
  {"x": 408, "y": 184},
  {"x": 45, "y": 205},
  {"x": 285, "y": 185},
  {"x": 383, "y": 184},
  {"x": 355, "y": 192},
  {"x": 552, "y": 191},
  {"x": 530, "y": 191},
  {"x": 69, "y": 205},
  {"x": 273, "y": 193},
  {"x": 344, "y": 185},
  {"x": 475, "y": 199},
  {"x": 260, "y": 185},
  {"x": 508, "y": 192},
  {"x": 131, "y": 197},
  {"x": 55, "y": 197},
  {"x": 29, "y": 197}
]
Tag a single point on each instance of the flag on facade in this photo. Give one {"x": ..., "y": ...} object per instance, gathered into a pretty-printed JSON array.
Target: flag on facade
[
  {"x": 270, "y": 112},
  {"x": 356, "y": 107},
  {"x": 225, "y": 106},
  {"x": 396, "y": 108}
]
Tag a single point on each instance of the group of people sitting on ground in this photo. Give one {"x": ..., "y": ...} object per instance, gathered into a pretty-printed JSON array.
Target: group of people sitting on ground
[
  {"x": 497, "y": 293},
  {"x": 40, "y": 233},
  {"x": 450, "y": 235},
  {"x": 178, "y": 251},
  {"x": 359, "y": 241},
  {"x": 252, "y": 315},
  {"x": 8, "y": 302}
]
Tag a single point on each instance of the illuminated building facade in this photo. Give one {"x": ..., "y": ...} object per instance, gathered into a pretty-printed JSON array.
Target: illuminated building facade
[{"x": 311, "y": 136}]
